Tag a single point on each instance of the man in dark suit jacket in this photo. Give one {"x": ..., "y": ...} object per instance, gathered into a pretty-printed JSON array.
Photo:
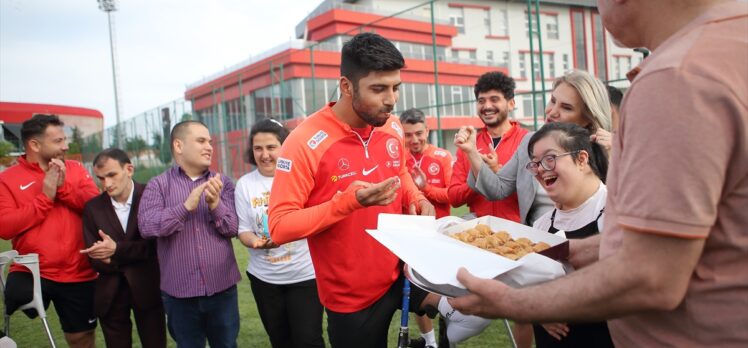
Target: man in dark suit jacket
[{"x": 127, "y": 264}]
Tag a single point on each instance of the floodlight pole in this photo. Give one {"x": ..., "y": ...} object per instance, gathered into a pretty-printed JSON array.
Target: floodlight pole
[{"x": 110, "y": 6}]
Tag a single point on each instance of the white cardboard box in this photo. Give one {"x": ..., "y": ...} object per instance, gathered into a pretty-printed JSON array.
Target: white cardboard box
[{"x": 433, "y": 258}]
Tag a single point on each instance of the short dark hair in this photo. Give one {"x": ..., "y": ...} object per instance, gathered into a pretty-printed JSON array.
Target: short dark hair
[
  {"x": 412, "y": 116},
  {"x": 495, "y": 80},
  {"x": 615, "y": 96},
  {"x": 267, "y": 125},
  {"x": 367, "y": 52},
  {"x": 37, "y": 125},
  {"x": 573, "y": 137},
  {"x": 113, "y": 153},
  {"x": 180, "y": 128}
]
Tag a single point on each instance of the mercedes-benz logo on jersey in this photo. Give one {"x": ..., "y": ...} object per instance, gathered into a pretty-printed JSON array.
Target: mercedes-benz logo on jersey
[
  {"x": 343, "y": 164},
  {"x": 393, "y": 148},
  {"x": 434, "y": 169}
]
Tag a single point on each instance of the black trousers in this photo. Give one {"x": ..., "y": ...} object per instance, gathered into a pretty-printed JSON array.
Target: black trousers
[
  {"x": 368, "y": 327},
  {"x": 117, "y": 327},
  {"x": 290, "y": 313}
]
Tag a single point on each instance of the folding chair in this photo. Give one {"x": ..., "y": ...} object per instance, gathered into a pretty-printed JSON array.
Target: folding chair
[{"x": 31, "y": 261}]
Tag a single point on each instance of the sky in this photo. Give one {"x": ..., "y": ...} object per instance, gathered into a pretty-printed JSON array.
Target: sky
[{"x": 57, "y": 51}]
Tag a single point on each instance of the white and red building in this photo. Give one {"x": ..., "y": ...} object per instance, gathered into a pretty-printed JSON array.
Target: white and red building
[{"x": 472, "y": 37}]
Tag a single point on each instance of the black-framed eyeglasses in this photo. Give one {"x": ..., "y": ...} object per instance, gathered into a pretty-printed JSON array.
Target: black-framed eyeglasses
[{"x": 548, "y": 162}]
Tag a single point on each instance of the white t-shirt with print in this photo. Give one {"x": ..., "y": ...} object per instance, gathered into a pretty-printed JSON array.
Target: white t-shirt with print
[
  {"x": 574, "y": 219},
  {"x": 286, "y": 264}
]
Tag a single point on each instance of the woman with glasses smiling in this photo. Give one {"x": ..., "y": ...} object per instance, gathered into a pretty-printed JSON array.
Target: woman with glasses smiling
[
  {"x": 578, "y": 98},
  {"x": 571, "y": 169}
]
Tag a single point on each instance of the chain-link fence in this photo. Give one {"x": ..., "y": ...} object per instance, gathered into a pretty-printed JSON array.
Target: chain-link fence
[
  {"x": 145, "y": 137},
  {"x": 447, "y": 46}
]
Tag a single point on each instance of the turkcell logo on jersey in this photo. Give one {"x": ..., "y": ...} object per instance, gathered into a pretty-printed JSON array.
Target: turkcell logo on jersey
[
  {"x": 335, "y": 178},
  {"x": 397, "y": 128},
  {"x": 316, "y": 139},
  {"x": 440, "y": 153},
  {"x": 284, "y": 165}
]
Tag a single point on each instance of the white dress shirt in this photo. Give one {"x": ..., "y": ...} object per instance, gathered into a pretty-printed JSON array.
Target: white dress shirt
[{"x": 123, "y": 209}]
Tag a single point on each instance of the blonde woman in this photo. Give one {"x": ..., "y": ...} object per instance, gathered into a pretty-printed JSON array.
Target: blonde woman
[{"x": 578, "y": 98}]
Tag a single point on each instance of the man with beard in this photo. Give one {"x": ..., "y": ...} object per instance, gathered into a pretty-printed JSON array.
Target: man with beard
[
  {"x": 671, "y": 268},
  {"x": 496, "y": 142},
  {"x": 430, "y": 166},
  {"x": 41, "y": 200},
  {"x": 337, "y": 171},
  {"x": 189, "y": 209}
]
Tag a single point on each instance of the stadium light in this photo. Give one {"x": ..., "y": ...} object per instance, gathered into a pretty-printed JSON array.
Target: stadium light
[{"x": 110, "y": 6}]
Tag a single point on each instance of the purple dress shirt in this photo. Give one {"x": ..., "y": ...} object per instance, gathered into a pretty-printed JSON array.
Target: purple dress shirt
[{"x": 195, "y": 253}]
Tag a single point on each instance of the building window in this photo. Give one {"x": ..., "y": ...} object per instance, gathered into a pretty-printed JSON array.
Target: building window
[
  {"x": 549, "y": 57},
  {"x": 455, "y": 55},
  {"x": 421, "y": 95},
  {"x": 402, "y": 102},
  {"x": 527, "y": 105},
  {"x": 549, "y": 65},
  {"x": 565, "y": 61},
  {"x": 601, "y": 59},
  {"x": 457, "y": 18},
  {"x": 505, "y": 60},
  {"x": 551, "y": 26},
  {"x": 527, "y": 26},
  {"x": 622, "y": 65},
  {"x": 473, "y": 57},
  {"x": 489, "y": 56},
  {"x": 503, "y": 25},
  {"x": 578, "y": 39},
  {"x": 487, "y": 21},
  {"x": 456, "y": 100},
  {"x": 616, "y": 68},
  {"x": 627, "y": 65}
]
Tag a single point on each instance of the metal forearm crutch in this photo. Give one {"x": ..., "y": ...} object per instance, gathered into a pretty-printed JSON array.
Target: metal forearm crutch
[
  {"x": 509, "y": 331},
  {"x": 402, "y": 337}
]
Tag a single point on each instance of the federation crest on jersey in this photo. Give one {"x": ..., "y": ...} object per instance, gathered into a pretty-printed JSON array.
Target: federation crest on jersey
[
  {"x": 393, "y": 148},
  {"x": 397, "y": 128},
  {"x": 283, "y": 164},
  {"x": 434, "y": 169},
  {"x": 316, "y": 139}
]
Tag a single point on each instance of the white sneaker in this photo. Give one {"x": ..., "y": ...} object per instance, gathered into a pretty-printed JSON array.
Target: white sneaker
[
  {"x": 7, "y": 342},
  {"x": 460, "y": 326}
]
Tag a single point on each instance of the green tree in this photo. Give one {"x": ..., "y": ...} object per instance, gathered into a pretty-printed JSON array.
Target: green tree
[
  {"x": 161, "y": 147},
  {"x": 92, "y": 144},
  {"x": 5, "y": 149},
  {"x": 135, "y": 145},
  {"x": 76, "y": 141}
]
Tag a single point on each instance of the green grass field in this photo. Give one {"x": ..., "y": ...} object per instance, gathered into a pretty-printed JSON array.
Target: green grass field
[{"x": 30, "y": 333}]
